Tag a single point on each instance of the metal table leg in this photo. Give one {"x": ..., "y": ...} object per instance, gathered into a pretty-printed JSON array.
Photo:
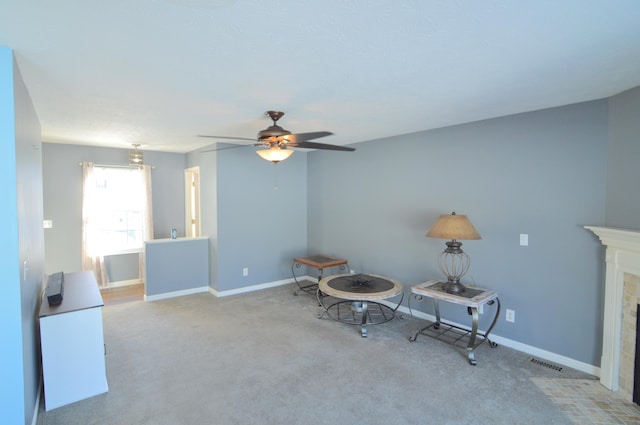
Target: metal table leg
[
  {"x": 493, "y": 323},
  {"x": 311, "y": 287},
  {"x": 473, "y": 334},
  {"x": 306, "y": 288},
  {"x": 472, "y": 337},
  {"x": 436, "y": 307},
  {"x": 373, "y": 314},
  {"x": 365, "y": 309}
]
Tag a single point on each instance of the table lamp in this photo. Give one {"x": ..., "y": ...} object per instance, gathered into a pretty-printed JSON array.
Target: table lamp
[{"x": 453, "y": 261}]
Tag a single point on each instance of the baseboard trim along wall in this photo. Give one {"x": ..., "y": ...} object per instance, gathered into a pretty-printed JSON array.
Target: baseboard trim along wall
[
  {"x": 176, "y": 293},
  {"x": 36, "y": 410},
  {"x": 122, "y": 283},
  {"x": 258, "y": 287},
  {"x": 518, "y": 346}
]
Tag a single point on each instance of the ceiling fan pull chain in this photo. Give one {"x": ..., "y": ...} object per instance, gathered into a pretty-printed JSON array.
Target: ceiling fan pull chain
[{"x": 275, "y": 176}]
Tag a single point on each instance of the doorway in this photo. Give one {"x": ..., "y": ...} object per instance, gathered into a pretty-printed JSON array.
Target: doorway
[{"x": 192, "y": 201}]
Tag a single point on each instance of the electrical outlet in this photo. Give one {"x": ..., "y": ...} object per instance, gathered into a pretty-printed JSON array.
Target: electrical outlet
[
  {"x": 245, "y": 271},
  {"x": 524, "y": 239},
  {"x": 510, "y": 316}
]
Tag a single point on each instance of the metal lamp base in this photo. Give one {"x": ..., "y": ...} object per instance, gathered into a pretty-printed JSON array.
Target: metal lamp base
[
  {"x": 453, "y": 287},
  {"x": 454, "y": 264}
]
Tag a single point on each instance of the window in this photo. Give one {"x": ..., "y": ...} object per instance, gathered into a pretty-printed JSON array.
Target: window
[
  {"x": 115, "y": 215},
  {"x": 118, "y": 211}
]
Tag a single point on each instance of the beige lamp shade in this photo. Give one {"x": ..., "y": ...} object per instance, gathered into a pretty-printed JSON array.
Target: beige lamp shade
[
  {"x": 453, "y": 226},
  {"x": 274, "y": 154}
]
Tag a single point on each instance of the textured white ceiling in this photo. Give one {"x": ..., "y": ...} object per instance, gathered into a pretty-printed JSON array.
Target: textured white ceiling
[{"x": 160, "y": 72}]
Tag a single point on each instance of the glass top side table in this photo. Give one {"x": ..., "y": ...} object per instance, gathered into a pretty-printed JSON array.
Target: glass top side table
[
  {"x": 472, "y": 298},
  {"x": 319, "y": 262}
]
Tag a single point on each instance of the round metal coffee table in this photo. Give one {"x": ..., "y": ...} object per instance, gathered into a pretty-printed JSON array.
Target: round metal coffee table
[{"x": 359, "y": 296}]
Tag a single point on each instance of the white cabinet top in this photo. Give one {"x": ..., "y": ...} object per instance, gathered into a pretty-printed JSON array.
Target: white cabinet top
[{"x": 80, "y": 291}]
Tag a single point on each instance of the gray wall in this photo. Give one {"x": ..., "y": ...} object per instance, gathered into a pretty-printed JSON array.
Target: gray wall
[
  {"x": 176, "y": 265},
  {"x": 208, "y": 205},
  {"x": 122, "y": 267},
  {"x": 261, "y": 215},
  {"x": 541, "y": 173},
  {"x": 22, "y": 248},
  {"x": 623, "y": 173},
  {"x": 63, "y": 202}
]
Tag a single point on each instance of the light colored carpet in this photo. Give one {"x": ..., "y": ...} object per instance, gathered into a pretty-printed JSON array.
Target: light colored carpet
[{"x": 265, "y": 358}]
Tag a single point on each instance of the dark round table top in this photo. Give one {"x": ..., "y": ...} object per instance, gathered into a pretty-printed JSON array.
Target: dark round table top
[{"x": 360, "y": 287}]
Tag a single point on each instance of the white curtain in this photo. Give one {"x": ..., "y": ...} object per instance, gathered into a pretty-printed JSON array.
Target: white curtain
[{"x": 92, "y": 258}]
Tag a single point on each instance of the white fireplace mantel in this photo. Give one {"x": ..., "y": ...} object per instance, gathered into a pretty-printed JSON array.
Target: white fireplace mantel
[{"x": 622, "y": 256}]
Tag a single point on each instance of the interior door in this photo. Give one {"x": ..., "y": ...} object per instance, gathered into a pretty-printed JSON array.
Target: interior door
[{"x": 192, "y": 201}]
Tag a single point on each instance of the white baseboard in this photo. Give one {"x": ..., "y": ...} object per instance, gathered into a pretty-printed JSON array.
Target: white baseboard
[
  {"x": 36, "y": 409},
  {"x": 259, "y": 287},
  {"x": 518, "y": 346},
  {"x": 174, "y": 294},
  {"x": 121, "y": 284}
]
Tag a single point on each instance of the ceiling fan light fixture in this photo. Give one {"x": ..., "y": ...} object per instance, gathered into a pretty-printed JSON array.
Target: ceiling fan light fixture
[
  {"x": 274, "y": 154},
  {"x": 135, "y": 156}
]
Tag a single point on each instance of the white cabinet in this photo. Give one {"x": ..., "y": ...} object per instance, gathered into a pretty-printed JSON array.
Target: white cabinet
[{"x": 72, "y": 341}]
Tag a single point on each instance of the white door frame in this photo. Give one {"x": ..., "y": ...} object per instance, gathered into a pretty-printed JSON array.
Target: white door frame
[{"x": 192, "y": 202}]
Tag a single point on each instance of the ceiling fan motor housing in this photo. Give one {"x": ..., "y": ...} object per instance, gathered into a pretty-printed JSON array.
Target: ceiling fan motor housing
[{"x": 273, "y": 131}]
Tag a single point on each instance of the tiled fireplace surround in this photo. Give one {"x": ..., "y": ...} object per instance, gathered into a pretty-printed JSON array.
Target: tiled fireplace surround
[{"x": 621, "y": 298}]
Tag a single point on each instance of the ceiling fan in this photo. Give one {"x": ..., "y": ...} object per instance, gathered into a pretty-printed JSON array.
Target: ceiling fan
[{"x": 277, "y": 140}]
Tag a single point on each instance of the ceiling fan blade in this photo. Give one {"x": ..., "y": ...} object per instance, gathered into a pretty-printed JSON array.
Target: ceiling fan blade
[
  {"x": 302, "y": 137},
  {"x": 227, "y": 137},
  {"x": 226, "y": 147},
  {"x": 313, "y": 145}
]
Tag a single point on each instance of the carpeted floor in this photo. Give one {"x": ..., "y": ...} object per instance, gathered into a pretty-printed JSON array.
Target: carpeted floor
[{"x": 265, "y": 358}]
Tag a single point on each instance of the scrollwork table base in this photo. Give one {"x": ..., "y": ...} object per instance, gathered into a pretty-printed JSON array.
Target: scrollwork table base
[{"x": 472, "y": 298}]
